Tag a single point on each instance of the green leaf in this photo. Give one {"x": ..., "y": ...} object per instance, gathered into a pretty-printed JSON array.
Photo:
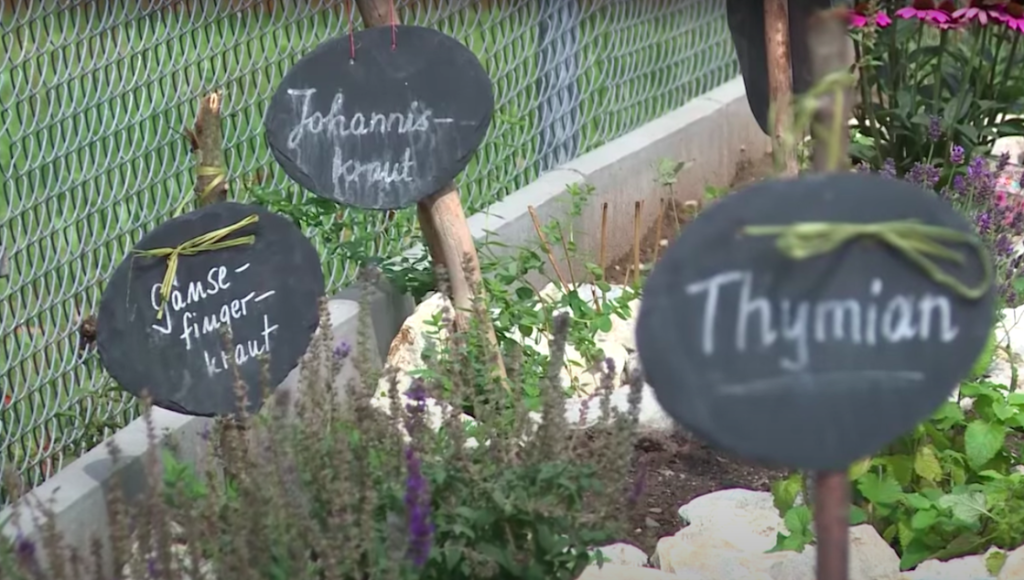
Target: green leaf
[
  {"x": 994, "y": 562},
  {"x": 798, "y": 520},
  {"x": 982, "y": 441},
  {"x": 785, "y": 492},
  {"x": 966, "y": 507},
  {"x": 926, "y": 464},
  {"x": 924, "y": 519},
  {"x": 857, "y": 515},
  {"x": 525, "y": 293},
  {"x": 603, "y": 323},
  {"x": 880, "y": 490}
]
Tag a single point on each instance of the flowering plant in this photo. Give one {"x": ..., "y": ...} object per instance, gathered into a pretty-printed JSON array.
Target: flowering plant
[
  {"x": 934, "y": 74},
  {"x": 970, "y": 185},
  {"x": 356, "y": 490}
]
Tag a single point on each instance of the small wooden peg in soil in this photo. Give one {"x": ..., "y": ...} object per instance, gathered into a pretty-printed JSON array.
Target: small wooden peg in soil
[
  {"x": 657, "y": 229},
  {"x": 602, "y": 259},
  {"x": 547, "y": 247},
  {"x": 780, "y": 80},
  {"x": 637, "y": 210}
]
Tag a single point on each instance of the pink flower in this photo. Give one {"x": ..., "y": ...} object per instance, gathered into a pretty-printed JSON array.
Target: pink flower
[
  {"x": 859, "y": 17},
  {"x": 980, "y": 10},
  {"x": 925, "y": 11},
  {"x": 1012, "y": 15}
]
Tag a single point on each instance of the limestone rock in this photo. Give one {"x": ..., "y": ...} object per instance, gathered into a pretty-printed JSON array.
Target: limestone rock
[
  {"x": 729, "y": 534},
  {"x": 870, "y": 559},
  {"x": 624, "y": 555},
  {"x": 615, "y": 572},
  {"x": 1013, "y": 568},
  {"x": 966, "y": 568}
]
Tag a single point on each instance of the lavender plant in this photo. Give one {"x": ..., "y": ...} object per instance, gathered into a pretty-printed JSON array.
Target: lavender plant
[
  {"x": 344, "y": 488},
  {"x": 970, "y": 185}
]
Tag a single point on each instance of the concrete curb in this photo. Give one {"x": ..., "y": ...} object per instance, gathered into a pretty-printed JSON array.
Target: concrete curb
[{"x": 714, "y": 133}]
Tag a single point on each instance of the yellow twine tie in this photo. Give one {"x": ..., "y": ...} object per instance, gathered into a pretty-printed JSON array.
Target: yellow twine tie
[
  {"x": 218, "y": 173},
  {"x": 204, "y": 243},
  {"x": 915, "y": 241}
]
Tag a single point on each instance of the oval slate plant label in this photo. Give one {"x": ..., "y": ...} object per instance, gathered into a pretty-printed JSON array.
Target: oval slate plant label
[
  {"x": 266, "y": 293},
  {"x": 386, "y": 129},
  {"x": 809, "y": 363}
]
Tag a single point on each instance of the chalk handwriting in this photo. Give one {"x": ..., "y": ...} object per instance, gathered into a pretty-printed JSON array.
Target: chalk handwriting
[
  {"x": 762, "y": 322},
  {"x": 195, "y": 325},
  {"x": 336, "y": 125}
]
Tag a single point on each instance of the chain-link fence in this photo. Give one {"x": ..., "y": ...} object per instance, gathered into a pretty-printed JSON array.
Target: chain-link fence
[{"x": 94, "y": 95}]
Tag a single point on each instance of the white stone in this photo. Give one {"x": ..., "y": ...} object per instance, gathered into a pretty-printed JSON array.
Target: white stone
[
  {"x": 616, "y": 572},
  {"x": 583, "y": 413},
  {"x": 1013, "y": 568},
  {"x": 966, "y": 568},
  {"x": 623, "y": 555},
  {"x": 729, "y": 534},
  {"x": 870, "y": 559}
]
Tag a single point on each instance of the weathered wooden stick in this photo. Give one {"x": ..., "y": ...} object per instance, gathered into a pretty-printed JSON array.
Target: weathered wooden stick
[
  {"x": 830, "y": 54},
  {"x": 443, "y": 220},
  {"x": 547, "y": 248},
  {"x": 780, "y": 80},
  {"x": 211, "y": 174}
]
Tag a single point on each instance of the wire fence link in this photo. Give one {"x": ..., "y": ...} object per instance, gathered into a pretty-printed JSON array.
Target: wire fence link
[{"x": 94, "y": 95}]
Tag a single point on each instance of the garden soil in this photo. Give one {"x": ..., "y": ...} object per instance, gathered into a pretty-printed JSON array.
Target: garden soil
[{"x": 675, "y": 467}]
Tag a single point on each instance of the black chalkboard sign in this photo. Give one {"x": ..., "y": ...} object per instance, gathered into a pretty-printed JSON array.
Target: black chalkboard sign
[
  {"x": 172, "y": 348},
  {"x": 746, "y": 24},
  {"x": 812, "y": 362},
  {"x": 387, "y": 128}
]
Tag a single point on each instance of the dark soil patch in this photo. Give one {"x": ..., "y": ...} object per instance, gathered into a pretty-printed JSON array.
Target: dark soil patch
[{"x": 677, "y": 468}]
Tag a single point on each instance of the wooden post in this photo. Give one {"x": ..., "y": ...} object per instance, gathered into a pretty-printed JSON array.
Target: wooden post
[
  {"x": 211, "y": 175},
  {"x": 443, "y": 221},
  {"x": 780, "y": 81},
  {"x": 830, "y": 53}
]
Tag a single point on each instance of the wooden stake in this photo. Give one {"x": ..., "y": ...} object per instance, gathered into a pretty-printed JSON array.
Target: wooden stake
[
  {"x": 547, "y": 247},
  {"x": 443, "y": 220},
  {"x": 637, "y": 208},
  {"x": 657, "y": 228},
  {"x": 601, "y": 260},
  {"x": 780, "y": 80},
  {"x": 830, "y": 53},
  {"x": 211, "y": 174}
]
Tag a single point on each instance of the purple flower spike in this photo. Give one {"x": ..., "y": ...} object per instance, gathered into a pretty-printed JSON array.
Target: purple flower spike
[
  {"x": 342, "y": 351},
  {"x": 888, "y": 169},
  {"x": 956, "y": 155},
  {"x": 417, "y": 509},
  {"x": 934, "y": 128}
]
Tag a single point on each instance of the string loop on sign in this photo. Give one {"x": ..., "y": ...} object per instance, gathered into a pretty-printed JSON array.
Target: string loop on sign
[
  {"x": 218, "y": 173},
  {"x": 915, "y": 241},
  {"x": 205, "y": 243}
]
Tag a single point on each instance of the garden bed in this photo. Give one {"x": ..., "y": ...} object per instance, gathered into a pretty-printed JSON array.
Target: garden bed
[{"x": 676, "y": 468}]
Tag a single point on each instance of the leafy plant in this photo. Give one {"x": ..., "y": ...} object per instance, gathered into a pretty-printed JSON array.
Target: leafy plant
[
  {"x": 945, "y": 490},
  {"x": 372, "y": 488}
]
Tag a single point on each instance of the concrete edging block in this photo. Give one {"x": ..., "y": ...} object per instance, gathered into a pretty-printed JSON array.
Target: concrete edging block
[{"x": 713, "y": 133}]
